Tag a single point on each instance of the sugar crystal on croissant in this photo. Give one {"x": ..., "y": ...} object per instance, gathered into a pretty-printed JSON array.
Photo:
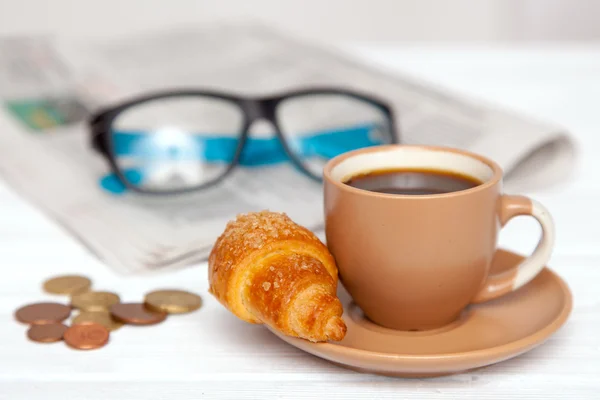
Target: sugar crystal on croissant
[{"x": 267, "y": 269}]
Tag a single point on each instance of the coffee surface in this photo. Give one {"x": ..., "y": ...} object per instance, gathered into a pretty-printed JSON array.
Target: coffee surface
[{"x": 412, "y": 182}]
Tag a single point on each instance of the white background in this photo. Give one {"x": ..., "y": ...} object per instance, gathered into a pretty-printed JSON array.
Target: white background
[{"x": 330, "y": 20}]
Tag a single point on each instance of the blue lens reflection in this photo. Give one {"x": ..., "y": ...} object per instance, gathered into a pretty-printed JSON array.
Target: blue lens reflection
[{"x": 257, "y": 152}]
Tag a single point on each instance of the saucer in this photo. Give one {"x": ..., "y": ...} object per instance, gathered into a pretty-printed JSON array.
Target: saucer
[{"x": 485, "y": 333}]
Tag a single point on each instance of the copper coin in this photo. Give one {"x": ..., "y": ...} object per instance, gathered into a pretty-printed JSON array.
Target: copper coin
[
  {"x": 86, "y": 336},
  {"x": 47, "y": 333},
  {"x": 94, "y": 301},
  {"x": 43, "y": 313},
  {"x": 100, "y": 317},
  {"x": 136, "y": 314},
  {"x": 67, "y": 284}
]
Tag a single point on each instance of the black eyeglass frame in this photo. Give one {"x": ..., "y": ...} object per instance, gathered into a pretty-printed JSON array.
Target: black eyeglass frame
[{"x": 253, "y": 108}]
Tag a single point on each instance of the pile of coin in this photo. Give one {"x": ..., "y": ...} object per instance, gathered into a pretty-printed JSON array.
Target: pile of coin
[{"x": 99, "y": 313}]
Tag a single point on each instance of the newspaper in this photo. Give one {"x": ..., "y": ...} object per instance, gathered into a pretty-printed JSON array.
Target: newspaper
[{"x": 49, "y": 87}]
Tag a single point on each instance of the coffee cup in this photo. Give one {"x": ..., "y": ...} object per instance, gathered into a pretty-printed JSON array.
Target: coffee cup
[{"x": 414, "y": 259}]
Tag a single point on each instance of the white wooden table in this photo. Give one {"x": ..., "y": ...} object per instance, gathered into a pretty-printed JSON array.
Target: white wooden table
[{"x": 211, "y": 354}]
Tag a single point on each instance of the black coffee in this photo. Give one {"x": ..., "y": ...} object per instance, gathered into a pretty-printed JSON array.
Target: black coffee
[{"x": 415, "y": 182}]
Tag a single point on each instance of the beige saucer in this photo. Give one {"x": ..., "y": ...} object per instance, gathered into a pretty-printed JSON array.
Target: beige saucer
[{"x": 485, "y": 334}]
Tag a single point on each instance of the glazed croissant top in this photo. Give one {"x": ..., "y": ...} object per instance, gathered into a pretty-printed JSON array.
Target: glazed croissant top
[{"x": 265, "y": 268}]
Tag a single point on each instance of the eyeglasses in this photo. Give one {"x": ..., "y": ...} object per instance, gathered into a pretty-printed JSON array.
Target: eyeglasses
[{"x": 181, "y": 141}]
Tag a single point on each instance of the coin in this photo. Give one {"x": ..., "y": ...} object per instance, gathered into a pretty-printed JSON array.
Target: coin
[
  {"x": 100, "y": 317},
  {"x": 43, "y": 313},
  {"x": 47, "y": 333},
  {"x": 136, "y": 314},
  {"x": 172, "y": 301},
  {"x": 94, "y": 301},
  {"x": 86, "y": 336},
  {"x": 67, "y": 284}
]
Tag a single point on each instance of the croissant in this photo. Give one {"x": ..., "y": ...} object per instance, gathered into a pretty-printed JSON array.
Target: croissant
[{"x": 265, "y": 268}]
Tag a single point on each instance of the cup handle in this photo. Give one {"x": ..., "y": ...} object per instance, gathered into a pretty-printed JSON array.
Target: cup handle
[{"x": 500, "y": 284}]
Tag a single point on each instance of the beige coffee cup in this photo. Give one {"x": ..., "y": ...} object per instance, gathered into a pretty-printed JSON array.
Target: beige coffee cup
[{"x": 414, "y": 262}]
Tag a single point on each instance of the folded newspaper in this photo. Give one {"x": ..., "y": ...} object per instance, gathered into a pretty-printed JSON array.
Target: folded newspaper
[{"x": 48, "y": 88}]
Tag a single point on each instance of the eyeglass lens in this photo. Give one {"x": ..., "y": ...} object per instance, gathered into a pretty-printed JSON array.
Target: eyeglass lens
[
  {"x": 318, "y": 127},
  {"x": 176, "y": 143}
]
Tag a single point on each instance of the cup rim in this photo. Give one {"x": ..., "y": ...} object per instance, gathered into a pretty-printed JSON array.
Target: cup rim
[{"x": 493, "y": 180}]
